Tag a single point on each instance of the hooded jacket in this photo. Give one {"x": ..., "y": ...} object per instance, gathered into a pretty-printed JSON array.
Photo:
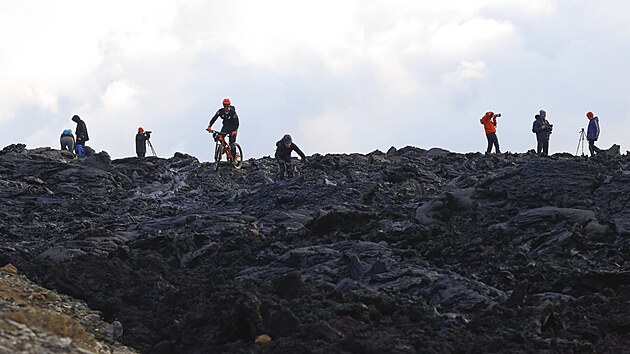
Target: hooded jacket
[
  {"x": 81, "y": 130},
  {"x": 593, "y": 129},
  {"x": 489, "y": 122}
]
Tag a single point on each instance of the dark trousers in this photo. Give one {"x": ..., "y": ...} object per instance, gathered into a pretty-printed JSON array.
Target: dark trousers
[
  {"x": 232, "y": 139},
  {"x": 492, "y": 140},
  {"x": 592, "y": 148},
  {"x": 141, "y": 153},
  {"x": 228, "y": 132},
  {"x": 284, "y": 166},
  {"x": 543, "y": 147}
]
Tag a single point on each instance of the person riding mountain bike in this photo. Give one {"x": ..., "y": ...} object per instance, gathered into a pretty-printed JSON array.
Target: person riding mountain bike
[
  {"x": 284, "y": 147},
  {"x": 230, "y": 123}
]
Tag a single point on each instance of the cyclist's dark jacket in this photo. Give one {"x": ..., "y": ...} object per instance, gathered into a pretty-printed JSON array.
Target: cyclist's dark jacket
[
  {"x": 284, "y": 153},
  {"x": 230, "y": 119}
]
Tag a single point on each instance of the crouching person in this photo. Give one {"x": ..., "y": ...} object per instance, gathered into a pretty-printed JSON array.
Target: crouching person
[
  {"x": 67, "y": 140},
  {"x": 284, "y": 148}
]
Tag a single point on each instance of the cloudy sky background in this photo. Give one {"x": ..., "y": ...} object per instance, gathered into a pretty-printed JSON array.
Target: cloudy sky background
[{"x": 340, "y": 76}]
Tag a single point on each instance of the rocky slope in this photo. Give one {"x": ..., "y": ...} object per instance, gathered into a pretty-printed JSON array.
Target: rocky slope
[
  {"x": 36, "y": 320},
  {"x": 399, "y": 252}
]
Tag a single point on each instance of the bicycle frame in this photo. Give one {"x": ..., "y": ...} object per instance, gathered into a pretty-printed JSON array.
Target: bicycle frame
[{"x": 224, "y": 148}]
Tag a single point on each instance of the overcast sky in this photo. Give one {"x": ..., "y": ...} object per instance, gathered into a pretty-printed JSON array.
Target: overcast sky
[{"x": 340, "y": 76}]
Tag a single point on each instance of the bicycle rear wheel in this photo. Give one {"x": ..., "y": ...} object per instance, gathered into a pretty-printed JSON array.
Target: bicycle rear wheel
[
  {"x": 218, "y": 151},
  {"x": 237, "y": 161}
]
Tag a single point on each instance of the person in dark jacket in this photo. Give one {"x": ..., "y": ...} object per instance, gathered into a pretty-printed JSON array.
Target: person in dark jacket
[
  {"x": 67, "y": 140},
  {"x": 543, "y": 129},
  {"x": 82, "y": 135},
  {"x": 592, "y": 133},
  {"x": 489, "y": 121},
  {"x": 284, "y": 148},
  {"x": 141, "y": 141},
  {"x": 230, "y": 122}
]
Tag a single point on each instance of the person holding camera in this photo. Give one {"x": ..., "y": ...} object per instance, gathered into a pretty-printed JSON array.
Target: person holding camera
[
  {"x": 489, "y": 121},
  {"x": 141, "y": 141},
  {"x": 542, "y": 128},
  {"x": 592, "y": 134}
]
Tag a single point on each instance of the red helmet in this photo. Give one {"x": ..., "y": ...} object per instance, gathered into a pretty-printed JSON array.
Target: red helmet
[
  {"x": 589, "y": 114},
  {"x": 140, "y": 130},
  {"x": 227, "y": 102}
]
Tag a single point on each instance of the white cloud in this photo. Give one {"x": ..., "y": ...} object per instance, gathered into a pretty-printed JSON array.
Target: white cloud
[
  {"x": 331, "y": 128},
  {"x": 359, "y": 72},
  {"x": 465, "y": 72},
  {"x": 120, "y": 94},
  {"x": 471, "y": 38}
]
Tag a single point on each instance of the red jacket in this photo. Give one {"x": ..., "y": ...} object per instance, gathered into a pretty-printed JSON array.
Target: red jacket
[{"x": 489, "y": 122}]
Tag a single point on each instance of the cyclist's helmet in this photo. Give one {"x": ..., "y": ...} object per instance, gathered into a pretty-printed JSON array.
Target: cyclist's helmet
[
  {"x": 286, "y": 139},
  {"x": 226, "y": 102}
]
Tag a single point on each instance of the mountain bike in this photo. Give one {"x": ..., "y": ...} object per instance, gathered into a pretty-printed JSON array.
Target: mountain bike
[{"x": 222, "y": 147}]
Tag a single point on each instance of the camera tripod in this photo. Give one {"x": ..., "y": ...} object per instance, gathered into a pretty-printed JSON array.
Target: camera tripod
[
  {"x": 581, "y": 142},
  {"x": 153, "y": 150}
]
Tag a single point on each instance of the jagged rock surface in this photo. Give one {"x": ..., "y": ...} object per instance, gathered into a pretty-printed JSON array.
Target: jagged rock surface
[
  {"x": 399, "y": 252},
  {"x": 36, "y": 320}
]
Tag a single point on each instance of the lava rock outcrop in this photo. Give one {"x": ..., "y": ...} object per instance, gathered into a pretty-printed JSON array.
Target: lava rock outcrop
[{"x": 401, "y": 252}]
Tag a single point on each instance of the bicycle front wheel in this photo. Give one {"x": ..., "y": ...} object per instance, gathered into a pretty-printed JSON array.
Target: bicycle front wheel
[
  {"x": 237, "y": 161},
  {"x": 218, "y": 151}
]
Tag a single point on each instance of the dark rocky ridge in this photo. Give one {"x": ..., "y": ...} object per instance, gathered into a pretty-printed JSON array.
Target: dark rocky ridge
[{"x": 399, "y": 252}]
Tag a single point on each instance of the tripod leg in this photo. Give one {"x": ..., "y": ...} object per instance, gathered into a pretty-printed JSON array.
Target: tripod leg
[
  {"x": 152, "y": 149},
  {"x": 578, "y": 148}
]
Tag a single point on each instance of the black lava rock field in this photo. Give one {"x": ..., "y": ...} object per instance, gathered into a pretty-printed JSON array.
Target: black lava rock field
[{"x": 408, "y": 251}]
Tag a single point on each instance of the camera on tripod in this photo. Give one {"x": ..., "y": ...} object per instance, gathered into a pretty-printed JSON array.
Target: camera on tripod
[
  {"x": 147, "y": 133},
  {"x": 497, "y": 114}
]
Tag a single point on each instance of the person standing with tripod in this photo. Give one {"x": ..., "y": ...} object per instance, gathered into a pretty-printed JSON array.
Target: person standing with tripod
[
  {"x": 141, "y": 141},
  {"x": 489, "y": 121},
  {"x": 592, "y": 134}
]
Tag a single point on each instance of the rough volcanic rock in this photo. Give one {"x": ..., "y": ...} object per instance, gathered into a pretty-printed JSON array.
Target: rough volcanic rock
[
  {"x": 37, "y": 320},
  {"x": 400, "y": 252}
]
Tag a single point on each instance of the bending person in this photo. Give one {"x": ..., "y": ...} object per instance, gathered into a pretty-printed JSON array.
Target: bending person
[
  {"x": 284, "y": 147},
  {"x": 67, "y": 140}
]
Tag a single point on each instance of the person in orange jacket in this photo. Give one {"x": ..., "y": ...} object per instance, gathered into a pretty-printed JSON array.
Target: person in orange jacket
[{"x": 489, "y": 121}]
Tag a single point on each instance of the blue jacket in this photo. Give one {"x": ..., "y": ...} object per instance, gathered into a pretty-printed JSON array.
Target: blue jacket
[{"x": 593, "y": 129}]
